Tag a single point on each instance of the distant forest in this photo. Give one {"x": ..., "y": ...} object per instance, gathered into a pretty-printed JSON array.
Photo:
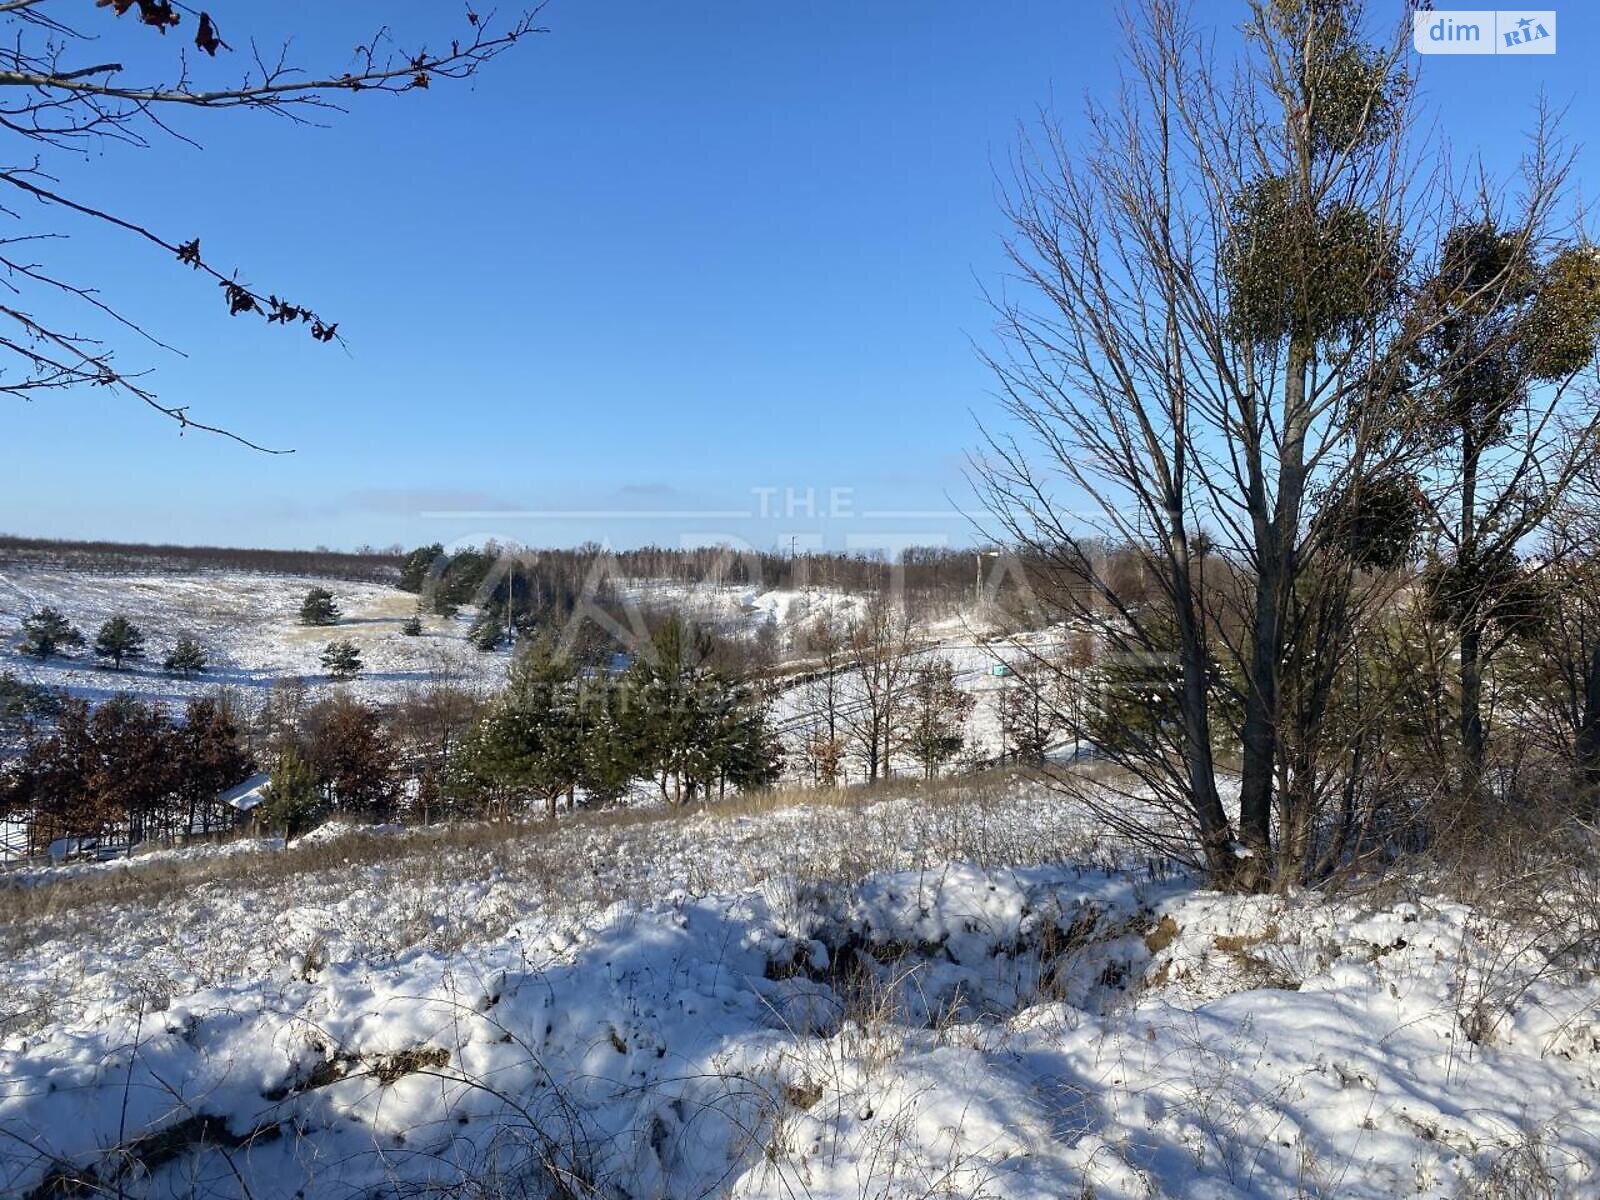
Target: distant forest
[
  {"x": 381, "y": 566},
  {"x": 927, "y": 571}
]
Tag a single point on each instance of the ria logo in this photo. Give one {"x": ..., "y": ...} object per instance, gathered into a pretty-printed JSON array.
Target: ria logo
[{"x": 1484, "y": 31}]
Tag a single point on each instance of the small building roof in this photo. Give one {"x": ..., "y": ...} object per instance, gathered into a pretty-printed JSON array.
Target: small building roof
[{"x": 246, "y": 795}]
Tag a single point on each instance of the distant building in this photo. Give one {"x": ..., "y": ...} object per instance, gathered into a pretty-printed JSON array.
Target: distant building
[{"x": 245, "y": 796}]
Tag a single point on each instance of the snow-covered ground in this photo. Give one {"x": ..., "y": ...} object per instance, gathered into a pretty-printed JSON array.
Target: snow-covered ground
[
  {"x": 973, "y": 657},
  {"x": 748, "y": 608},
  {"x": 247, "y": 623},
  {"x": 963, "y": 995},
  {"x": 249, "y": 626}
]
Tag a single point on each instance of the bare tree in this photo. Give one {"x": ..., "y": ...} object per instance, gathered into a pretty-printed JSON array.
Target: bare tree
[
  {"x": 1213, "y": 361},
  {"x": 75, "y": 77},
  {"x": 822, "y": 741},
  {"x": 1508, "y": 393},
  {"x": 881, "y": 653}
]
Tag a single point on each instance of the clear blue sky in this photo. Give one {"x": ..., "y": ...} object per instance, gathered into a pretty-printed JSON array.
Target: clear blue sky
[{"x": 662, "y": 256}]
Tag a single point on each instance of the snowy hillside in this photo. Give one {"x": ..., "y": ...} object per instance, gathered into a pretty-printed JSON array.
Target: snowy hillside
[
  {"x": 248, "y": 625},
  {"x": 909, "y": 998}
]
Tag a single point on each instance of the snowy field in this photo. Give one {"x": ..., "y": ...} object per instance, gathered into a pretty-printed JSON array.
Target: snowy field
[
  {"x": 247, "y": 623},
  {"x": 249, "y": 626},
  {"x": 963, "y": 994}
]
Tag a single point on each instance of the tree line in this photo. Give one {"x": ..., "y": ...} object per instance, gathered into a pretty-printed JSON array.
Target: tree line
[
  {"x": 364, "y": 564},
  {"x": 128, "y": 770}
]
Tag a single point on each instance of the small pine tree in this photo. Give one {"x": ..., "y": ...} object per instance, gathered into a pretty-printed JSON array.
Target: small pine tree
[
  {"x": 488, "y": 631},
  {"x": 292, "y": 796},
  {"x": 938, "y": 713},
  {"x": 120, "y": 640},
  {"x": 412, "y": 627},
  {"x": 341, "y": 659},
  {"x": 47, "y": 632},
  {"x": 187, "y": 658},
  {"x": 318, "y": 608}
]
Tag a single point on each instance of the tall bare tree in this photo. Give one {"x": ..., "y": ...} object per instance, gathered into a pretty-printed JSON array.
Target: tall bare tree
[
  {"x": 1211, "y": 348},
  {"x": 880, "y": 646}
]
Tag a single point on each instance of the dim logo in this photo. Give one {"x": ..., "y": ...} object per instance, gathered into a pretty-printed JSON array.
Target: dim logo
[{"x": 1484, "y": 31}]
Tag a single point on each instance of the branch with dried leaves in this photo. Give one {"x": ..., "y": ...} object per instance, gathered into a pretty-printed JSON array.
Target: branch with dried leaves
[{"x": 59, "y": 99}]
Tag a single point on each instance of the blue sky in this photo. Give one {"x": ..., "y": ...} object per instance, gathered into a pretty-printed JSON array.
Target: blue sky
[{"x": 717, "y": 258}]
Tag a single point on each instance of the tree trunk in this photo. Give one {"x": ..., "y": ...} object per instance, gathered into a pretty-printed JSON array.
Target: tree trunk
[
  {"x": 1472, "y": 739},
  {"x": 1275, "y": 575},
  {"x": 1216, "y": 833},
  {"x": 1471, "y": 632},
  {"x": 1589, "y": 732}
]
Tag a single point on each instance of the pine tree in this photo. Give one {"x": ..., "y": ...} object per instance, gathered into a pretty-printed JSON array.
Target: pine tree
[
  {"x": 751, "y": 753},
  {"x": 120, "y": 640},
  {"x": 187, "y": 658},
  {"x": 292, "y": 798},
  {"x": 22, "y": 701},
  {"x": 668, "y": 691},
  {"x": 534, "y": 741},
  {"x": 937, "y": 713},
  {"x": 411, "y": 627},
  {"x": 1039, "y": 705},
  {"x": 47, "y": 632},
  {"x": 488, "y": 630},
  {"x": 318, "y": 608},
  {"x": 341, "y": 659},
  {"x": 414, "y": 571},
  {"x": 609, "y": 754}
]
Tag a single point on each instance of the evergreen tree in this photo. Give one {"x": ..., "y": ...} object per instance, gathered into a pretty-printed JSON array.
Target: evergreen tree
[
  {"x": 609, "y": 754},
  {"x": 341, "y": 659},
  {"x": 411, "y": 627},
  {"x": 531, "y": 744},
  {"x": 414, "y": 570},
  {"x": 318, "y": 608},
  {"x": 488, "y": 630},
  {"x": 292, "y": 798},
  {"x": 1035, "y": 707},
  {"x": 751, "y": 751},
  {"x": 690, "y": 727},
  {"x": 937, "y": 710},
  {"x": 48, "y": 632},
  {"x": 120, "y": 640},
  {"x": 23, "y": 701},
  {"x": 187, "y": 658},
  {"x": 668, "y": 690}
]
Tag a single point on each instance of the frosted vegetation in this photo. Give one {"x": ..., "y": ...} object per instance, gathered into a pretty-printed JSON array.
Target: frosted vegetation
[{"x": 908, "y": 995}]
